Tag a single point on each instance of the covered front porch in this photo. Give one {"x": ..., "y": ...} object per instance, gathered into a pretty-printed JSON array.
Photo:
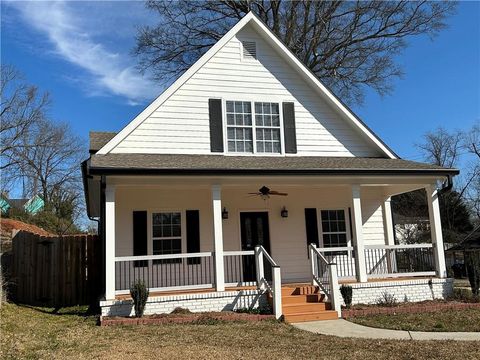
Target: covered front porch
[{"x": 210, "y": 235}]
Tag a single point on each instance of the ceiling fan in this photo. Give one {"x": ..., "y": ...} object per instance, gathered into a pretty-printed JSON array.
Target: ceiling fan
[{"x": 264, "y": 192}]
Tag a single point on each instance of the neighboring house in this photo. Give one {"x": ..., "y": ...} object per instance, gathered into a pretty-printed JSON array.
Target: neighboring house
[
  {"x": 227, "y": 178},
  {"x": 31, "y": 206}
]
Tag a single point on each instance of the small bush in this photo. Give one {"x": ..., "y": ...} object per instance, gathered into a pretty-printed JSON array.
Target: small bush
[
  {"x": 473, "y": 271},
  {"x": 256, "y": 311},
  {"x": 347, "y": 295},
  {"x": 463, "y": 295},
  {"x": 139, "y": 293},
  {"x": 387, "y": 299},
  {"x": 181, "y": 311}
]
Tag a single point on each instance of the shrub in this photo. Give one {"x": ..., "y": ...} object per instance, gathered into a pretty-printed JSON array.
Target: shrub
[
  {"x": 473, "y": 271},
  {"x": 347, "y": 295},
  {"x": 387, "y": 299},
  {"x": 139, "y": 293},
  {"x": 463, "y": 295},
  {"x": 180, "y": 311}
]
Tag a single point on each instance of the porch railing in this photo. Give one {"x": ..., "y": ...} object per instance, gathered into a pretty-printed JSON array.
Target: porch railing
[
  {"x": 343, "y": 257},
  {"x": 165, "y": 272},
  {"x": 399, "y": 260},
  {"x": 324, "y": 275},
  {"x": 239, "y": 268},
  {"x": 269, "y": 278}
]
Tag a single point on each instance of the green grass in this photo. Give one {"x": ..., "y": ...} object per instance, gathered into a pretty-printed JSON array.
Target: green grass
[
  {"x": 36, "y": 333},
  {"x": 448, "y": 320}
]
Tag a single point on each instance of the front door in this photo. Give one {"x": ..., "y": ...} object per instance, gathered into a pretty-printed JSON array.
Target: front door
[{"x": 254, "y": 231}]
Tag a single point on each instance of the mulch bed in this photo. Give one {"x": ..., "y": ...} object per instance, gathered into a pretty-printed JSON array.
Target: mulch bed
[
  {"x": 408, "y": 308},
  {"x": 182, "y": 318}
]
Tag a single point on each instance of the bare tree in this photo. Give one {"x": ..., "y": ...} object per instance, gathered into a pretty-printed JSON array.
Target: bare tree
[
  {"x": 349, "y": 45},
  {"x": 21, "y": 107},
  {"x": 441, "y": 147},
  {"x": 471, "y": 144}
]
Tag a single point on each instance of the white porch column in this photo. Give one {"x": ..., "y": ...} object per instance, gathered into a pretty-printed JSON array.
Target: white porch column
[
  {"x": 218, "y": 237},
  {"x": 357, "y": 227},
  {"x": 388, "y": 222},
  {"x": 436, "y": 230},
  {"x": 389, "y": 234},
  {"x": 109, "y": 242}
]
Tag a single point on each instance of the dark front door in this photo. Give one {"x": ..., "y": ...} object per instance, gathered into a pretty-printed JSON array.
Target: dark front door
[{"x": 254, "y": 231}]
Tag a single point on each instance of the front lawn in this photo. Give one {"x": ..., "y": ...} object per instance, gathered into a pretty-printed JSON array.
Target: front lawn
[
  {"x": 32, "y": 333},
  {"x": 449, "y": 320}
]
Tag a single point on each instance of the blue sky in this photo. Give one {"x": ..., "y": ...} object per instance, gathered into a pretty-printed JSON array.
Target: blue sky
[{"x": 80, "y": 53}]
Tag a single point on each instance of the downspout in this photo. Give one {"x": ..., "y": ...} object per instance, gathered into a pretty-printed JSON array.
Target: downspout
[{"x": 447, "y": 186}]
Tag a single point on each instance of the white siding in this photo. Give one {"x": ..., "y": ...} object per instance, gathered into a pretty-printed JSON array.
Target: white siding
[
  {"x": 372, "y": 214},
  {"x": 181, "y": 124}
]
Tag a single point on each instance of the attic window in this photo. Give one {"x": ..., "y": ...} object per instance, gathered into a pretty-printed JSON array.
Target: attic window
[{"x": 249, "y": 50}]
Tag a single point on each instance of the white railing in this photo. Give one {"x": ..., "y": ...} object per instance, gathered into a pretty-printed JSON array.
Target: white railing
[
  {"x": 324, "y": 275},
  {"x": 343, "y": 257},
  {"x": 165, "y": 272},
  {"x": 399, "y": 260},
  {"x": 269, "y": 277},
  {"x": 239, "y": 268}
]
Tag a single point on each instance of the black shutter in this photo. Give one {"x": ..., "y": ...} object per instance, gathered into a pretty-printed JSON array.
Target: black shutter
[
  {"x": 312, "y": 226},
  {"x": 289, "y": 128},
  {"x": 140, "y": 238},
  {"x": 216, "y": 128},
  {"x": 193, "y": 234}
]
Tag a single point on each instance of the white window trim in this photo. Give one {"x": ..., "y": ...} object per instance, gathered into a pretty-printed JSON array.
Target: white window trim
[
  {"x": 347, "y": 225},
  {"x": 183, "y": 228},
  {"x": 254, "y": 135}
]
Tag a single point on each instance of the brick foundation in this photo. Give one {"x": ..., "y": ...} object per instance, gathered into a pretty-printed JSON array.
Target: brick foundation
[
  {"x": 412, "y": 290},
  {"x": 195, "y": 302}
]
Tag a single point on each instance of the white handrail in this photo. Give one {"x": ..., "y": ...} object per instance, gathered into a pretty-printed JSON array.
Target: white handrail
[
  {"x": 268, "y": 257},
  {"x": 162, "y": 257},
  {"x": 319, "y": 254},
  {"x": 238, "y": 252},
  {"x": 406, "y": 246},
  {"x": 276, "y": 288},
  {"x": 338, "y": 248}
]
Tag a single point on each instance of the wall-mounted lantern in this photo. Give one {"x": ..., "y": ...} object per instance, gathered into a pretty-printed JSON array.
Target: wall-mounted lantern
[
  {"x": 224, "y": 213},
  {"x": 284, "y": 212}
]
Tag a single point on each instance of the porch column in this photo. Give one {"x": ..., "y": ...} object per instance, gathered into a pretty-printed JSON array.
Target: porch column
[
  {"x": 218, "y": 237},
  {"x": 436, "y": 230},
  {"x": 388, "y": 222},
  {"x": 389, "y": 234},
  {"x": 109, "y": 242},
  {"x": 357, "y": 228}
]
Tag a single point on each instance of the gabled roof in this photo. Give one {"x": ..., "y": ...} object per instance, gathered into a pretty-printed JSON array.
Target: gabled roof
[
  {"x": 99, "y": 139},
  {"x": 276, "y": 43}
]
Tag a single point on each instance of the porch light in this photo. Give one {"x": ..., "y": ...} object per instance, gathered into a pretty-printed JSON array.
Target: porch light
[
  {"x": 224, "y": 213},
  {"x": 284, "y": 212}
]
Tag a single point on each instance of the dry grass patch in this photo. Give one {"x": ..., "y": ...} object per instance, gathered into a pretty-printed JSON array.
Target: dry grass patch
[
  {"x": 449, "y": 320},
  {"x": 35, "y": 334}
]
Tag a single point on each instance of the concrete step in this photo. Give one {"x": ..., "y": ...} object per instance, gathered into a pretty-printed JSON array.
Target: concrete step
[
  {"x": 311, "y": 316},
  {"x": 292, "y": 309}
]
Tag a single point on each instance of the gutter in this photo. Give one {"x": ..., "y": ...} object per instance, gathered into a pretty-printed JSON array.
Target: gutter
[
  {"x": 85, "y": 176},
  {"x": 448, "y": 186}
]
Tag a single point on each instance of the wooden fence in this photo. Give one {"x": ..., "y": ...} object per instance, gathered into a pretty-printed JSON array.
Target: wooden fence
[{"x": 56, "y": 271}]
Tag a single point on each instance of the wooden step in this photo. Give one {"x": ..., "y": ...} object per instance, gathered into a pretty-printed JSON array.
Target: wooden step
[
  {"x": 311, "y": 316},
  {"x": 301, "y": 299},
  {"x": 300, "y": 290},
  {"x": 292, "y": 309}
]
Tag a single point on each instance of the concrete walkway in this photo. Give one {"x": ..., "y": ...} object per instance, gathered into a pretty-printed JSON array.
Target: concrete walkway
[{"x": 344, "y": 328}]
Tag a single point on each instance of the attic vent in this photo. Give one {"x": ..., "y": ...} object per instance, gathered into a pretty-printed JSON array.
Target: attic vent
[{"x": 249, "y": 50}]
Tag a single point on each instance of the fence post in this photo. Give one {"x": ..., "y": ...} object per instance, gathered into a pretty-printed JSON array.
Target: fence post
[
  {"x": 312, "y": 262},
  {"x": 259, "y": 266},
  {"x": 335, "y": 296},
  {"x": 277, "y": 292}
]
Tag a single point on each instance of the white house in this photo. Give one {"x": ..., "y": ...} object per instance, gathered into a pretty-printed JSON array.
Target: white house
[{"x": 247, "y": 179}]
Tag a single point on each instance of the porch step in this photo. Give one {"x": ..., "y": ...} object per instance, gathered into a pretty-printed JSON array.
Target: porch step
[
  {"x": 311, "y": 316},
  {"x": 301, "y": 299},
  {"x": 305, "y": 303},
  {"x": 305, "y": 308}
]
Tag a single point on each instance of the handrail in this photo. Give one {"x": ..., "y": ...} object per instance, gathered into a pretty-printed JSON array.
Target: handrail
[
  {"x": 332, "y": 249},
  {"x": 268, "y": 257},
  {"x": 238, "y": 252},
  {"x": 319, "y": 254},
  {"x": 406, "y": 246},
  {"x": 162, "y": 257}
]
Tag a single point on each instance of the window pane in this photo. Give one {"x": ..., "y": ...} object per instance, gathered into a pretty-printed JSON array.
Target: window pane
[
  {"x": 157, "y": 231},
  {"x": 240, "y": 147},
  {"x": 276, "y": 147},
  {"x": 275, "y": 134},
  {"x": 268, "y": 134},
  {"x": 176, "y": 230},
  {"x": 248, "y": 134},
  {"x": 231, "y": 146},
  {"x": 275, "y": 120},
  {"x": 247, "y": 107},
  {"x": 166, "y": 231},
  {"x": 324, "y": 215},
  {"x": 239, "y": 134},
  {"x": 258, "y": 108},
  {"x": 259, "y": 120},
  {"x": 248, "y": 146},
  {"x": 275, "y": 108},
  {"x": 260, "y": 147},
  {"x": 259, "y": 134},
  {"x": 230, "y": 106},
  {"x": 238, "y": 107},
  {"x": 230, "y": 119},
  {"x": 247, "y": 119},
  {"x": 230, "y": 133},
  {"x": 268, "y": 147},
  {"x": 342, "y": 239},
  {"x": 325, "y": 226}
]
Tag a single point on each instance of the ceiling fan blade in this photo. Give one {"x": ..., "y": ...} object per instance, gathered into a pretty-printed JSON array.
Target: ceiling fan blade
[{"x": 277, "y": 193}]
